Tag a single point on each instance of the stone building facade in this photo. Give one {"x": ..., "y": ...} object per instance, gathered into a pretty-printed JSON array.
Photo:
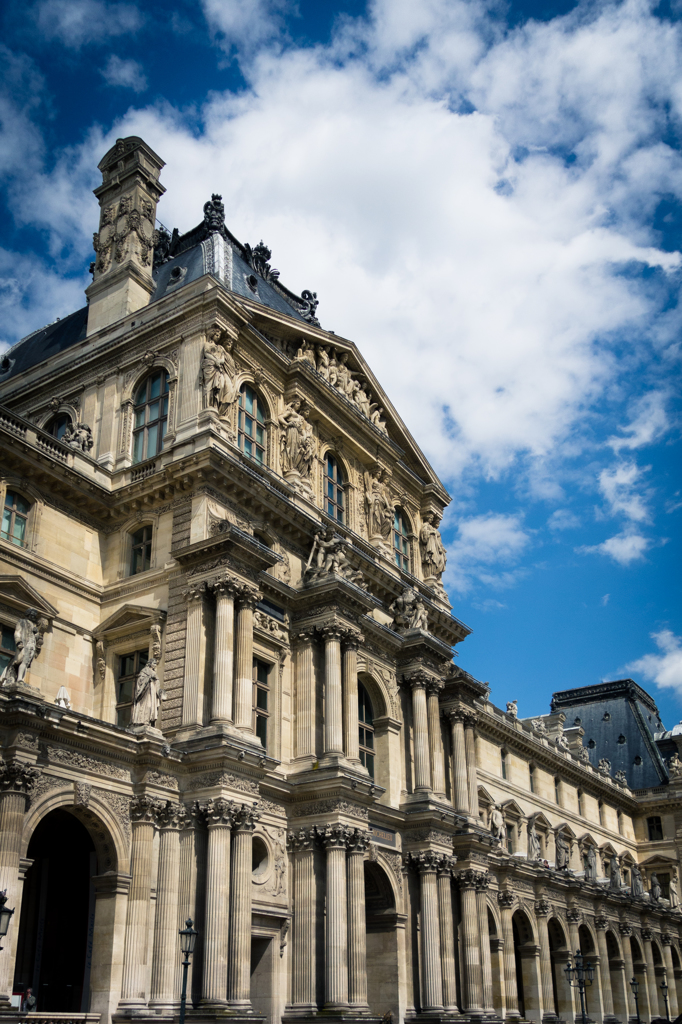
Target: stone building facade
[{"x": 228, "y": 692}]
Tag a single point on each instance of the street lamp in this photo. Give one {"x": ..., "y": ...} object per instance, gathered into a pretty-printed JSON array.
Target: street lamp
[
  {"x": 664, "y": 990},
  {"x": 5, "y": 915},
  {"x": 634, "y": 985},
  {"x": 580, "y": 975},
  {"x": 188, "y": 938}
]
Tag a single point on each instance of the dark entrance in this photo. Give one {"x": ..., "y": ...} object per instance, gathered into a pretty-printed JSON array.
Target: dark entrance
[{"x": 57, "y": 915}]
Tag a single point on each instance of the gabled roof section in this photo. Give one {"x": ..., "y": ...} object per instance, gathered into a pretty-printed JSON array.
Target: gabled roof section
[
  {"x": 130, "y": 615},
  {"x": 20, "y": 595}
]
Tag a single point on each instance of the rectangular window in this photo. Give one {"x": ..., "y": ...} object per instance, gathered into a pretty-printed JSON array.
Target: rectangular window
[
  {"x": 503, "y": 763},
  {"x": 655, "y": 827},
  {"x": 7, "y": 646},
  {"x": 531, "y": 778},
  {"x": 129, "y": 666},
  {"x": 510, "y": 838},
  {"x": 557, "y": 791},
  {"x": 664, "y": 882},
  {"x": 261, "y": 699}
]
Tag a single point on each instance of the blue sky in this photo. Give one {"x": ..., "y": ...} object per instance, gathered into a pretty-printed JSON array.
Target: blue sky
[{"x": 486, "y": 198}]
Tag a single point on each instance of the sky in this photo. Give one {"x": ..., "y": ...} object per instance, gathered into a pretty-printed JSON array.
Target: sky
[{"x": 487, "y": 199}]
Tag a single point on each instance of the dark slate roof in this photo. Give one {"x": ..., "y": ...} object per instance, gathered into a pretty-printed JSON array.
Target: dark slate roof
[
  {"x": 620, "y": 720},
  {"x": 48, "y": 341}
]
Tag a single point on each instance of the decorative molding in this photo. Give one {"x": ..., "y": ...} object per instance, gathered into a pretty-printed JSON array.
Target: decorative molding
[{"x": 72, "y": 759}]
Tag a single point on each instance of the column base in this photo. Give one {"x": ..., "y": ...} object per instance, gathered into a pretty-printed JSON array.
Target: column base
[
  {"x": 438, "y": 1016},
  {"x": 333, "y": 1016}
]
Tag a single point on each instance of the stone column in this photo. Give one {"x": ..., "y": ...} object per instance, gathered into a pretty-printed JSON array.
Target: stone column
[
  {"x": 305, "y": 703},
  {"x": 219, "y": 818},
  {"x": 350, "y": 696},
  {"x": 652, "y": 987},
  {"x": 223, "y": 652},
  {"x": 243, "y": 701},
  {"x": 358, "y": 845},
  {"x": 447, "y": 933},
  {"x": 422, "y": 764},
  {"x": 484, "y": 936},
  {"x": 435, "y": 738},
  {"x": 625, "y": 933},
  {"x": 16, "y": 784},
  {"x": 471, "y": 947},
  {"x": 333, "y": 693},
  {"x": 164, "y": 961},
  {"x": 667, "y": 939},
  {"x": 506, "y": 900},
  {"x": 460, "y": 785},
  {"x": 574, "y": 917},
  {"x": 334, "y": 839},
  {"x": 239, "y": 945},
  {"x": 427, "y": 865},
  {"x": 303, "y": 947},
  {"x": 192, "y": 894},
  {"x": 472, "y": 778},
  {"x": 192, "y": 693},
  {"x": 143, "y": 811},
  {"x": 601, "y": 922},
  {"x": 542, "y": 909}
]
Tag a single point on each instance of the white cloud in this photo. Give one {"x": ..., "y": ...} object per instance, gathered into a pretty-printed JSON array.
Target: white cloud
[
  {"x": 33, "y": 294},
  {"x": 484, "y": 542},
  {"x": 125, "y": 73},
  {"x": 649, "y": 423},
  {"x": 626, "y": 547},
  {"x": 605, "y": 600},
  {"x": 664, "y": 669},
  {"x": 619, "y": 487},
  {"x": 563, "y": 519},
  {"x": 76, "y": 23},
  {"x": 245, "y": 24}
]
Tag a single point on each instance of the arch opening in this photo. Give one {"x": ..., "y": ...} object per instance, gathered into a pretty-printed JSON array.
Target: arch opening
[{"x": 382, "y": 942}]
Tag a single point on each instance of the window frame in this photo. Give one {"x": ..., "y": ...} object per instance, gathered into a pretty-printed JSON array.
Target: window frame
[
  {"x": 160, "y": 422},
  {"x": 331, "y": 505},
  {"x": 127, "y": 704},
  {"x": 504, "y": 765},
  {"x": 401, "y": 519},
  {"x": 650, "y": 827},
  {"x": 262, "y": 714},
  {"x": 367, "y": 751},
  {"x": 14, "y": 514},
  {"x": 531, "y": 779},
  {"x": 53, "y": 421},
  {"x": 142, "y": 545},
  {"x": 261, "y": 410},
  {"x": 6, "y": 653}
]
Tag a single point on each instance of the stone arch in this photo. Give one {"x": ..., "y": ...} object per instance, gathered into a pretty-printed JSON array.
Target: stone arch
[
  {"x": 63, "y": 409},
  {"x": 139, "y": 374},
  {"x": 588, "y": 942},
  {"x": 559, "y": 954},
  {"x": 527, "y": 965},
  {"x": 381, "y": 920},
  {"x": 131, "y": 384},
  {"x": 108, "y": 835},
  {"x": 656, "y": 953},
  {"x": 380, "y": 700},
  {"x": 384, "y": 752}
]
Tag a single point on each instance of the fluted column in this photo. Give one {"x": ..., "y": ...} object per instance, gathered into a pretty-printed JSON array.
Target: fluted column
[
  {"x": 432, "y": 988},
  {"x": 471, "y": 947},
  {"x": 219, "y": 818},
  {"x": 304, "y": 702},
  {"x": 625, "y": 933},
  {"x": 223, "y": 652},
  {"x": 484, "y": 937},
  {"x": 303, "y": 946},
  {"x": 470, "y": 749},
  {"x": 358, "y": 843},
  {"x": 16, "y": 783},
  {"x": 243, "y": 701},
  {"x": 164, "y": 961},
  {"x": 542, "y": 909},
  {"x": 601, "y": 922},
  {"x": 239, "y": 944},
  {"x": 506, "y": 901},
  {"x": 192, "y": 894},
  {"x": 460, "y": 785},
  {"x": 334, "y": 839},
  {"x": 447, "y": 933},
  {"x": 143, "y": 811},
  {"x": 333, "y": 694},
  {"x": 422, "y": 761},
  {"x": 194, "y": 656},
  {"x": 652, "y": 987},
  {"x": 435, "y": 738},
  {"x": 350, "y": 696},
  {"x": 670, "y": 974}
]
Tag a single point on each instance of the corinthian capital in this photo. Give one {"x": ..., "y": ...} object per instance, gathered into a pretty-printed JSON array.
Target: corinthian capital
[
  {"x": 334, "y": 836},
  {"x": 358, "y": 840},
  {"x": 506, "y": 898},
  {"x": 470, "y": 879},
  {"x": 194, "y": 592},
  {"x": 302, "y": 840},
  {"x": 425, "y": 862},
  {"x": 16, "y": 777},
  {"x": 245, "y": 818},
  {"x": 248, "y": 597},
  {"x": 219, "y": 813},
  {"x": 146, "y": 809},
  {"x": 171, "y": 816}
]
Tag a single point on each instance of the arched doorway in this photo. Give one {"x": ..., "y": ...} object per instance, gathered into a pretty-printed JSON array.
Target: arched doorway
[
  {"x": 588, "y": 950},
  {"x": 382, "y": 942},
  {"x": 559, "y": 956},
  {"x": 54, "y": 949},
  {"x": 527, "y": 972}
]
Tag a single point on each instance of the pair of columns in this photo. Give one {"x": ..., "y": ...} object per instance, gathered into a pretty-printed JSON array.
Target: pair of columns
[
  {"x": 232, "y": 644},
  {"x": 345, "y": 965},
  {"x": 340, "y": 738}
]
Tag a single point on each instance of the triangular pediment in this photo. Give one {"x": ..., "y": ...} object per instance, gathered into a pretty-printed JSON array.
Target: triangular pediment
[
  {"x": 19, "y": 594},
  {"x": 511, "y": 808},
  {"x": 587, "y": 840},
  {"x": 540, "y": 821},
  {"x": 566, "y": 829},
  {"x": 484, "y": 796},
  {"x": 130, "y": 615},
  {"x": 608, "y": 850},
  {"x": 658, "y": 859}
]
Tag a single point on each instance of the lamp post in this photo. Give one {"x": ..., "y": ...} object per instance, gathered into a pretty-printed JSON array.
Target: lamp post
[
  {"x": 634, "y": 985},
  {"x": 5, "y": 915},
  {"x": 664, "y": 990},
  {"x": 579, "y": 976},
  {"x": 188, "y": 938}
]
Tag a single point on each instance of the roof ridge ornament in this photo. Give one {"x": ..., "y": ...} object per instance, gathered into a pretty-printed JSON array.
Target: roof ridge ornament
[
  {"x": 258, "y": 258},
  {"x": 214, "y": 214},
  {"x": 308, "y": 307}
]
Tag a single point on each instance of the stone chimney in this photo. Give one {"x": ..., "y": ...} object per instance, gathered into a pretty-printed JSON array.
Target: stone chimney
[{"x": 130, "y": 190}]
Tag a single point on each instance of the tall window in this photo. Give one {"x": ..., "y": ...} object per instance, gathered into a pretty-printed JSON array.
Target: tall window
[
  {"x": 333, "y": 489},
  {"x": 15, "y": 518},
  {"x": 503, "y": 763},
  {"x": 581, "y": 803},
  {"x": 151, "y": 416},
  {"x": 129, "y": 665},
  {"x": 620, "y": 823},
  {"x": 401, "y": 543},
  {"x": 557, "y": 791},
  {"x": 601, "y": 813},
  {"x": 142, "y": 550},
  {"x": 251, "y": 433},
  {"x": 509, "y": 829},
  {"x": 58, "y": 425},
  {"x": 655, "y": 828},
  {"x": 366, "y": 729},
  {"x": 261, "y": 699},
  {"x": 7, "y": 646},
  {"x": 531, "y": 777}
]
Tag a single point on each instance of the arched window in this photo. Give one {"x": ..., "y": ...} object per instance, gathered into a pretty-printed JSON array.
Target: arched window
[
  {"x": 58, "y": 425},
  {"x": 251, "y": 432},
  {"x": 151, "y": 416},
  {"x": 141, "y": 559},
  {"x": 333, "y": 489},
  {"x": 15, "y": 518},
  {"x": 366, "y": 729},
  {"x": 401, "y": 543}
]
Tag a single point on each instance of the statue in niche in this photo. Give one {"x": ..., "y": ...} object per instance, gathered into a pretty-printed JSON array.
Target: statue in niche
[
  {"x": 673, "y": 892},
  {"x": 655, "y": 892},
  {"x": 147, "y": 697},
  {"x": 615, "y": 881},
  {"x": 496, "y": 824},
  {"x": 218, "y": 372},
  {"x": 28, "y": 638},
  {"x": 591, "y": 864},
  {"x": 380, "y": 512},
  {"x": 297, "y": 443},
  {"x": 79, "y": 437},
  {"x": 214, "y": 214},
  {"x": 636, "y": 883},
  {"x": 533, "y": 842},
  {"x": 562, "y": 852},
  {"x": 434, "y": 556},
  {"x": 409, "y": 612}
]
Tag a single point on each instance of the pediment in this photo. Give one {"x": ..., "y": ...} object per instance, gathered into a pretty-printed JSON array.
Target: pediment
[
  {"x": 484, "y": 796},
  {"x": 587, "y": 840},
  {"x": 511, "y": 808},
  {"x": 19, "y": 594},
  {"x": 658, "y": 859},
  {"x": 566, "y": 829},
  {"x": 608, "y": 849},
  {"x": 130, "y": 616},
  {"x": 540, "y": 821}
]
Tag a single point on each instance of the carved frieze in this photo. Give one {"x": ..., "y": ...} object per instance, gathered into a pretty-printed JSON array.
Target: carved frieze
[{"x": 74, "y": 759}]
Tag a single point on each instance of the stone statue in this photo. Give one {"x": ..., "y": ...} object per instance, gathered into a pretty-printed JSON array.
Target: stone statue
[
  {"x": 375, "y": 412},
  {"x": 343, "y": 374},
  {"x": 655, "y": 891},
  {"x": 328, "y": 557},
  {"x": 79, "y": 437},
  {"x": 636, "y": 884},
  {"x": 306, "y": 352},
  {"x": 615, "y": 881},
  {"x": 214, "y": 213},
  {"x": 147, "y": 697},
  {"x": 409, "y": 612},
  {"x": 674, "y": 766},
  {"x": 604, "y": 766},
  {"x": 362, "y": 400},
  {"x": 434, "y": 557},
  {"x": 218, "y": 372},
  {"x": 380, "y": 512},
  {"x": 28, "y": 638},
  {"x": 539, "y": 726},
  {"x": 620, "y": 776},
  {"x": 496, "y": 824},
  {"x": 512, "y": 708},
  {"x": 584, "y": 755},
  {"x": 673, "y": 892},
  {"x": 533, "y": 842},
  {"x": 562, "y": 852},
  {"x": 590, "y": 864},
  {"x": 323, "y": 361},
  {"x": 297, "y": 445},
  {"x": 562, "y": 742}
]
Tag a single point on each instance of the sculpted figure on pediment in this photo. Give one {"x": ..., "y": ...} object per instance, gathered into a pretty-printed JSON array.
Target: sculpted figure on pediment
[
  {"x": 434, "y": 556},
  {"x": 323, "y": 361},
  {"x": 218, "y": 372},
  {"x": 79, "y": 437},
  {"x": 409, "y": 612}
]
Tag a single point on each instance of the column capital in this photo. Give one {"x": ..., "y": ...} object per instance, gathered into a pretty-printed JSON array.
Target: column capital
[
  {"x": 331, "y": 632},
  {"x": 470, "y": 719},
  {"x": 145, "y": 809},
  {"x": 470, "y": 879},
  {"x": 418, "y": 680},
  {"x": 248, "y": 597},
  {"x": 352, "y": 639},
  {"x": 17, "y": 777},
  {"x": 647, "y": 934},
  {"x": 446, "y": 865},
  {"x": 219, "y": 813},
  {"x": 434, "y": 686},
  {"x": 194, "y": 591},
  {"x": 334, "y": 837},
  {"x": 601, "y": 922},
  {"x": 225, "y": 584},
  {"x": 302, "y": 840},
  {"x": 667, "y": 939},
  {"x": 542, "y": 907},
  {"x": 425, "y": 862},
  {"x": 506, "y": 898},
  {"x": 455, "y": 714},
  {"x": 194, "y": 816},
  {"x": 358, "y": 841},
  {"x": 246, "y": 818},
  {"x": 484, "y": 880},
  {"x": 574, "y": 915},
  {"x": 303, "y": 636},
  {"x": 625, "y": 929},
  {"x": 171, "y": 816}
]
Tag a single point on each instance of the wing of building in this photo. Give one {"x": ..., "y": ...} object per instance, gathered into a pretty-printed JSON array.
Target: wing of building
[{"x": 228, "y": 693}]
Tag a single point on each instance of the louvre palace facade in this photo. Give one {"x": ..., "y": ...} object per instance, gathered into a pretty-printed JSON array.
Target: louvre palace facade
[{"x": 228, "y": 693}]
